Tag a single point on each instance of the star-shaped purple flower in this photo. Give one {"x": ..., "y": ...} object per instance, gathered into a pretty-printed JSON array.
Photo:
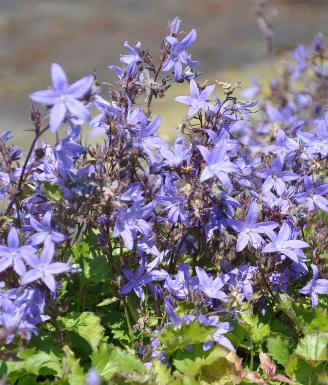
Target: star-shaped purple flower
[
  {"x": 315, "y": 286},
  {"x": 136, "y": 280},
  {"x": 197, "y": 100},
  {"x": 275, "y": 177},
  {"x": 45, "y": 232},
  {"x": 132, "y": 59},
  {"x": 13, "y": 254},
  {"x": 313, "y": 196},
  {"x": 210, "y": 286},
  {"x": 43, "y": 268},
  {"x": 63, "y": 98},
  {"x": 249, "y": 231},
  {"x": 284, "y": 244},
  {"x": 173, "y": 202},
  {"x": 217, "y": 164},
  {"x": 178, "y": 55}
]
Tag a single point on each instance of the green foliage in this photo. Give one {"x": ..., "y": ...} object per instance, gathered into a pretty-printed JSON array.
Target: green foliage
[
  {"x": 111, "y": 360},
  {"x": 93, "y": 261},
  {"x": 173, "y": 338},
  {"x": 279, "y": 348},
  {"x": 86, "y": 325}
]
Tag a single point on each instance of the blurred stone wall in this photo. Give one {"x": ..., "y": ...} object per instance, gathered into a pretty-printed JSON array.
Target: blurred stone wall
[{"x": 87, "y": 35}]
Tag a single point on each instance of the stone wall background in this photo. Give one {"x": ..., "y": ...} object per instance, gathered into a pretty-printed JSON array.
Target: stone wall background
[{"x": 84, "y": 35}]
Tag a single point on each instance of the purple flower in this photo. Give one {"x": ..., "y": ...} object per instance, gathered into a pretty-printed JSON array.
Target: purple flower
[
  {"x": 174, "y": 25},
  {"x": 249, "y": 231},
  {"x": 300, "y": 54},
  {"x": 275, "y": 177},
  {"x": 180, "y": 285},
  {"x": 136, "y": 280},
  {"x": 316, "y": 143},
  {"x": 284, "y": 244},
  {"x": 14, "y": 255},
  {"x": 241, "y": 278},
  {"x": 45, "y": 232},
  {"x": 173, "y": 202},
  {"x": 178, "y": 55},
  {"x": 197, "y": 100},
  {"x": 20, "y": 311},
  {"x": 131, "y": 221},
  {"x": 43, "y": 268},
  {"x": 64, "y": 98},
  {"x": 134, "y": 193},
  {"x": 283, "y": 146},
  {"x": 315, "y": 286},
  {"x": 212, "y": 287},
  {"x": 132, "y": 59},
  {"x": 146, "y": 140},
  {"x": 252, "y": 91},
  {"x": 178, "y": 155},
  {"x": 312, "y": 196},
  {"x": 217, "y": 164},
  {"x": 93, "y": 377}
]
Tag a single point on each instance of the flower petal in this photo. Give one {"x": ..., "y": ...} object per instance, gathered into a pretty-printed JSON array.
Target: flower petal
[
  {"x": 57, "y": 116},
  {"x": 58, "y": 77}
]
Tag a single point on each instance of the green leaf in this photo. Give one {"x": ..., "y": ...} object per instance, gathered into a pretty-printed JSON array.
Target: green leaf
[
  {"x": 163, "y": 375},
  {"x": 187, "y": 334},
  {"x": 92, "y": 260},
  {"x": 316, "y": 319},
  {"x": 313, "y": 348},
  {"x": 87, "y": 325},
  {"x": 110, "y": 360},
  {"x": 32, "y": 362},
  {"x": 279, "y": 349},
  {"x": 28, "y": 380},
  {"x": 73, "y": 369},
  {"x": 259, "y": 332},
  {"x": 108, "y": 301},
  {"x": 213, "y": 362},
  {"x": 308, "y": 320},
  {"x": 299, "y": 371},
  {"x": 52, "y": 191},
  {"x": 287, "y": 305}
]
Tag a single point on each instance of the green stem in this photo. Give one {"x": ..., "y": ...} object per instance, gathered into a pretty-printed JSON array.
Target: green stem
[{"x": 126, "y": 312}]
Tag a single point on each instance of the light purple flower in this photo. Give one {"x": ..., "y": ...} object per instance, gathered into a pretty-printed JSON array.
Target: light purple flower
[
  {"x": 242, "y": 277},
  {"x": 131, "y": 221},
  {"x": 315, "y": 286},
  {"x": 212, "y": 287},
  {"x": 178, "y": 155},
  {"x": 197, "y": 100},
  {"x": 132, "y": 59},
  {"x": 316, "y": 143},
  {"x": 312, "y": 197},
  {"x": 173, "y": 202},
  {"x": 63, "y": 98},
  {"x": 174, "y": 25},
  {"x": 284, "y": 244},
  {"x": 217, "y": 164},
  {"x": 249, "y": 231},
  {"x": 275, "y": 177},
  {"x": 136, "y": 281},
  {"x": 43, "y": 268},
  {"x": 178, "y": 55},
  {"x": 93, "y": 377},
  {"x": 13, "y": 254},
  {"x": 45, "y": 232},
  {"x": 146, "y": 139}
]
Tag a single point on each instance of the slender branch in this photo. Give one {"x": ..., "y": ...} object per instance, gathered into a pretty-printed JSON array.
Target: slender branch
[{"x": 22, "y": 175}]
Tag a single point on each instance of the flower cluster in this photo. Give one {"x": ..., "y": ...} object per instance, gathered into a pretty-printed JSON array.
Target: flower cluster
[{"x": 219, "y": 218}]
